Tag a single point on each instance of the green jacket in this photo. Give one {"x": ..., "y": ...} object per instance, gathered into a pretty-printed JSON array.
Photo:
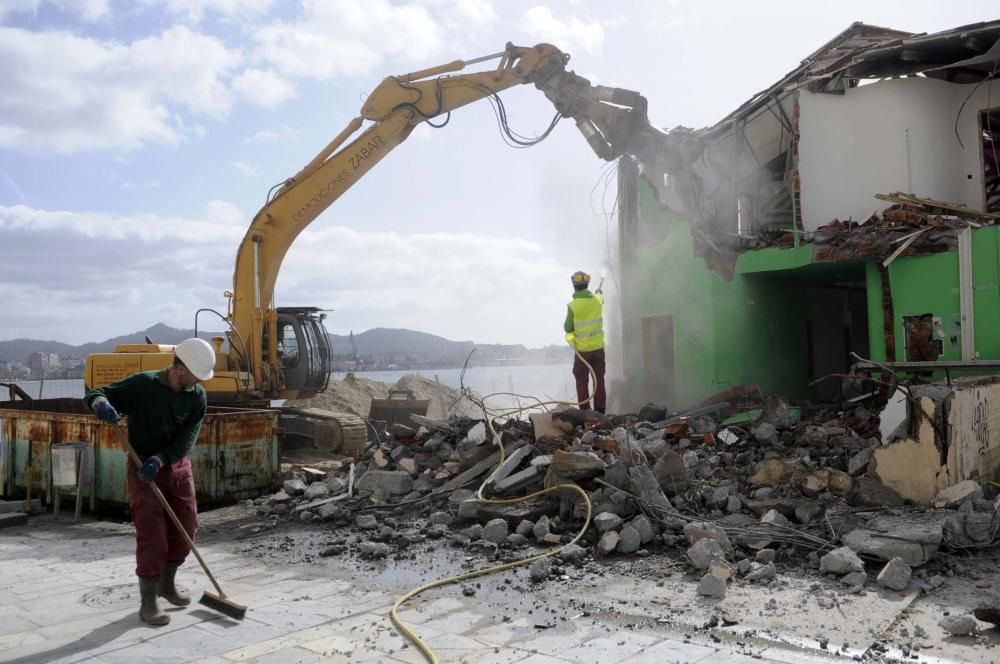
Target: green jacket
[{"x": 160, "y": 421}]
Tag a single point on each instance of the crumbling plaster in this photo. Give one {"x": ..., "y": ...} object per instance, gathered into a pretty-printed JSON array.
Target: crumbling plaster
[{"x": 892, "y": 135}]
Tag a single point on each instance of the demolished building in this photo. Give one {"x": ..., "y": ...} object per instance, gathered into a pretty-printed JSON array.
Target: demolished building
[{"x": 785, "y": 245}]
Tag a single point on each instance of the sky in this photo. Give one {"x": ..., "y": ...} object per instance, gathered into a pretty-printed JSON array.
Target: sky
[{"x": 138, "y": 139}]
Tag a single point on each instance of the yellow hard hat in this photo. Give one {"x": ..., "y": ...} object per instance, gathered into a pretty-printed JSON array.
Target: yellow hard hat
[{"x": 580, "y": 277}]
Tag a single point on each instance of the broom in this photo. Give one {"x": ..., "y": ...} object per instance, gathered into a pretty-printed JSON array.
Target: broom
[{"x": 215, "y": 601}]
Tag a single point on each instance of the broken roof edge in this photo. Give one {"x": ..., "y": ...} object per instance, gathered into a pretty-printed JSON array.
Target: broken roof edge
[{"x": 803, "y": 73}]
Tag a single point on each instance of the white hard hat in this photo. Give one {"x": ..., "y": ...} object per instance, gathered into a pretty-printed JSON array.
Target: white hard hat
[{"x": 198, "y": 356}]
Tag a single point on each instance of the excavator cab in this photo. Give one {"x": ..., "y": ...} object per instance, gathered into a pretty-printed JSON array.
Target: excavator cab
[{"x": 303, "y": 348}]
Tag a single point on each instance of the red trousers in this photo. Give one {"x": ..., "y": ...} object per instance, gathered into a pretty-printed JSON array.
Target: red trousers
[
  {"x": 157, "y": 541},
  {"x": 596, "y": 360}
]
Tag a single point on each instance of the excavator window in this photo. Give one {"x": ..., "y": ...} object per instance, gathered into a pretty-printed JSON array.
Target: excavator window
[{"x": 288, "y": 345}]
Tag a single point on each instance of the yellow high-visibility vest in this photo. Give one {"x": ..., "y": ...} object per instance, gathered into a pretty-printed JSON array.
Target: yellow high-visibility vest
[{"x": 588, "y": 322}]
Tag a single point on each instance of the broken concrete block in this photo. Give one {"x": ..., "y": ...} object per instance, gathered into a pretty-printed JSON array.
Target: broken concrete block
[
  {"x": 840, "y": 483},
  {"x": 765, "y": 556},
  {"x": 721, "y": 569},
  {"x": 540, "y": 570},
  {"x": 629, "y": 541},
  {"x": 955, "y": 495},
  {"x": 872, "y": 493},
  {"x": 765, "y": 434},
  {"x": 734, "y": 504},
  {"x": 407, "y": 466},
  {"x": 695, "y": 531},
  {"x": 703, "y": 552},
  {"x": 541, "y": 528},
  {"x": 577, "y": 465},
  {"x": 474, "y": 532},
  {"x": 806, "y": 513},
  {"x": 572, "y": 553},
  {"x": 606, "y": 521},
  {"x": 744, "y": 566},
  {"x": 516, "y": 541},
  {"x": 336, "y": 486},
  {"x": 366, "y": 521},
  {"x": 616, "y": 475},
  {"x": 959, "y": 625},
  {"x": 815, "y": 483},
  {"x": 608, "y": 542},
  {"x": 775, "y": 518},
  {"x": 391, "y": 482},
  {"x": 772, "y": 473},
  {"x": 841, "y": 561},
  {"x": 915, "y": 543},
  {"x": 316, "y": 490},
  {"x": 671, "y": 473},
  {"x": 330, "y": 511},
  {"x": 279, "y": 498},
  {"x": 525, "y": 527},
  {"x": 856, "y": 580},
  {"x": 495, "y": 531},
  {"x": 374, "y": 550},
  {"x": 969, "y": 528},
  {"x": 711, "y": 586},
  {"x": 520, "y": 480},
  {"x": 811, "y": 437},
  {"x": 652, "y": 412},
  {"x": 294, "y": 487},
  {"x": 762, "y": 572},
  {"x": 644, "y": 527},
  {"x": 442, "y": 518},
  {"x": 895, "y": 575},
  {"x": 858, "y": 463},
  {"x": 468, "y": 509}
]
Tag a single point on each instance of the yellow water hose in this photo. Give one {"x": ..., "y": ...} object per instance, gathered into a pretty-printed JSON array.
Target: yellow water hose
[{"x": 394, "y": 614}]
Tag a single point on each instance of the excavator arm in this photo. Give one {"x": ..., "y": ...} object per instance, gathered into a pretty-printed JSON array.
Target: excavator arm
[{"x": 610, "y": 119}]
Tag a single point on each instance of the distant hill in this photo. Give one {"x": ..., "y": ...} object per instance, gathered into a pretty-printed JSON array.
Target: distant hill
[
  {"x": 20, "y": 349},
  {"x": 407, "y": 347}
]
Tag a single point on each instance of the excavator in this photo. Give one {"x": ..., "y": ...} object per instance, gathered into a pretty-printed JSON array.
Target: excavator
[{"x": 271, "y": 352}]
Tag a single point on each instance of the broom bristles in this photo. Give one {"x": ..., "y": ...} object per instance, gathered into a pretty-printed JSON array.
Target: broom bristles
[{"x": 223, "y": 605}]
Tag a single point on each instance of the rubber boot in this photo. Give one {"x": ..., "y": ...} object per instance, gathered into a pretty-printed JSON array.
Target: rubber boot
[
  {"x": 149, "y": 611},
  {"x": 167, "y": 590}
]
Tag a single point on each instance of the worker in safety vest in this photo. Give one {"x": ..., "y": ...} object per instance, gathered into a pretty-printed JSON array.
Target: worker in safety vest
[
  {"x": 585, "y": 332},
  {"x": 165, "y": 409}
]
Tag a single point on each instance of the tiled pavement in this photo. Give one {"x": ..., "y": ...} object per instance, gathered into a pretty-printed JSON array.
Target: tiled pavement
[{"x": 68, "y": 594}]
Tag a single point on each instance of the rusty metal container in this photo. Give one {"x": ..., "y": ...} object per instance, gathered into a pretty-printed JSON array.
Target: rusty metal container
[{"x": 236, "y": 455}]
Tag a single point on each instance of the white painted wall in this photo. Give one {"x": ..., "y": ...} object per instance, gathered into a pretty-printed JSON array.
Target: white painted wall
[{"x": 854, "y": 146}]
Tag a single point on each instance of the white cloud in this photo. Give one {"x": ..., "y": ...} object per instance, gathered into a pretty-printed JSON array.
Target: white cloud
[
  {"x": 282, "y": 133},
  {"x": 345, "y": 37},
  {"x": 263, "y": 88},
  {"x": 89, "y": 10},
  {"x": 569, "y": 34},
  {"x": 195, "y": 10},
  {"x": 65, "y": 93},
  {"x": 460, "y": 285},
  {"x": 244, "y": 168}
]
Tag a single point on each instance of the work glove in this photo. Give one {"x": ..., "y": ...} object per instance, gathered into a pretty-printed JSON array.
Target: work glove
[
  {"x": 106, "y": 412},
  {"x": 150, "y": 468}
]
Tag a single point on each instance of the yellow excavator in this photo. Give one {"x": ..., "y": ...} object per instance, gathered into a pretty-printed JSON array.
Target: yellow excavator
[{"x": 272, "y": 352}]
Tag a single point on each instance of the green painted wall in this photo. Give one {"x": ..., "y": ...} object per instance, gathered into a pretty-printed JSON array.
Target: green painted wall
[
  {"x": 753, "y": 329},
  {"x": 750, "y": 329}
]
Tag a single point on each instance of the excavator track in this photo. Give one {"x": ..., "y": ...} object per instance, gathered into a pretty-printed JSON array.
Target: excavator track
[{"x": 325, "y": 430}]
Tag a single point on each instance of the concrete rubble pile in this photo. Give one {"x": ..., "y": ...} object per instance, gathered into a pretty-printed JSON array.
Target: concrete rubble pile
[{"x": 739, "y": 499}]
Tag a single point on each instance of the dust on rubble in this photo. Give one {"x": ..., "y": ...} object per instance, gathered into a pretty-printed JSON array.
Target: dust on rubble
[{"x": 354, "y": 395}]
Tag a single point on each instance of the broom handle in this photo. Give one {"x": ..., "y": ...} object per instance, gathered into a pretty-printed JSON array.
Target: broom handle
[{"x": 170, "y": 512}]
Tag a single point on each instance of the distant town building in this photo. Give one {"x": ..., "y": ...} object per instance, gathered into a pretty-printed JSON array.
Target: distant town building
[{"x": 42, "y": 363}]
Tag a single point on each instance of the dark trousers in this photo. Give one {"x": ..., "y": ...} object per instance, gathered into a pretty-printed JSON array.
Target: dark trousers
[
  {"x": 596, "y": 360},
  {"x": 157, "y": 541}
]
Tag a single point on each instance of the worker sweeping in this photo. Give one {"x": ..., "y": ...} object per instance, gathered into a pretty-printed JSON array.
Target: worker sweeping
[
  {"x": 584, "y": 328},
  {"x": 165, "y": 409}
]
